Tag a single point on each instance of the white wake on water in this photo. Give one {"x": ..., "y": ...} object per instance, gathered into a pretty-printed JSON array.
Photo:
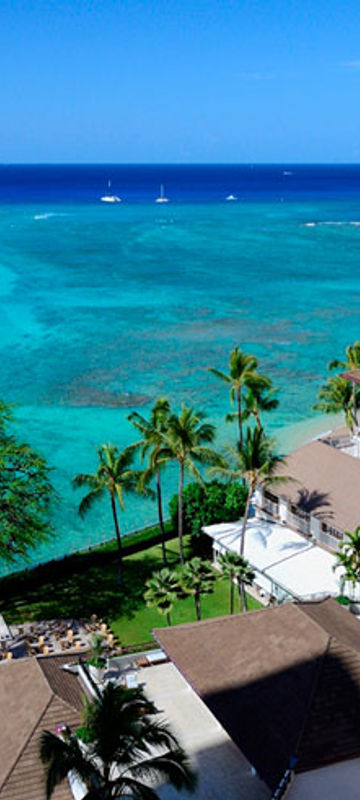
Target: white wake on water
[{"x": 48, "y": 214}]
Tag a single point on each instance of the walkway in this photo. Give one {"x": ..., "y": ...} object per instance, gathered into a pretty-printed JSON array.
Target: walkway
[{"x": 222, "y": 769}]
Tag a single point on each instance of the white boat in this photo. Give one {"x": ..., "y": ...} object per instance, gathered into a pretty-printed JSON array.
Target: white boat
[
  {"x": 231, "y": 197},
  {"x": 162, "y": 198},
  {"x": 110, "y": 198}
]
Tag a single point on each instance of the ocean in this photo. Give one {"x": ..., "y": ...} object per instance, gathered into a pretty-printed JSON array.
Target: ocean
[{"x": 106, "y": 307}]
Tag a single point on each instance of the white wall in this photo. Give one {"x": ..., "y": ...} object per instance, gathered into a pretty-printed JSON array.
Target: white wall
[{"x": 336, "y": 782}]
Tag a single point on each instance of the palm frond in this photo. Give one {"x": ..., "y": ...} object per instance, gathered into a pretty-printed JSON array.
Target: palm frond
[{"x": 89, "y": 500}]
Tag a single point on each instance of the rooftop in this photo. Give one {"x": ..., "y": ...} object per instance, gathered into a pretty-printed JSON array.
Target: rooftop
[
  {"x": 325, "y": 482},
  {"x": 301, "y": 568},
  {"x": 35, "y": 695},
  {"x": 283, "y": 682}
]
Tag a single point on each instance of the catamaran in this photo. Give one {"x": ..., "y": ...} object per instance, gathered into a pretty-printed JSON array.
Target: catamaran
[
  {"x": 110, "y": 198},
  {"x": 162, "y": 198}
]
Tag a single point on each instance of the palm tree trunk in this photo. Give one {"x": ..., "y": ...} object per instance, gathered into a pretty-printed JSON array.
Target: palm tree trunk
[
  {"x": 168, "y": 619},
  {"x": 231, "y": 593},
  {"x": 240, "y": 594},
  {"x": 161, "y": 519},
  {"x": 198, "y": 607},
  {"x": 118, "y": 539},
  {"x": 180, "y": 513},
  {"x": 238, "y": 399},
  {"x": 245, "y": 605},
  {"x": 245, "y": 520}
]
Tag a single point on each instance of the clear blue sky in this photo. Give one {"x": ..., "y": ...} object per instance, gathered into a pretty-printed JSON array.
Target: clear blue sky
[{"x": 179, "y": 80}]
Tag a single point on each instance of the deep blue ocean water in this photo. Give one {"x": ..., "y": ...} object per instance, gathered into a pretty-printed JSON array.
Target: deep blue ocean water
[{"x": 106, "y": 304}]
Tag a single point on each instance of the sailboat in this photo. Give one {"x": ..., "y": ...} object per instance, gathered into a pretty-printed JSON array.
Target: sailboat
[
  {"x": 162, "y": 198},
  {"x": 231, "y": 197},
  {"x": 110, "y": 198}
]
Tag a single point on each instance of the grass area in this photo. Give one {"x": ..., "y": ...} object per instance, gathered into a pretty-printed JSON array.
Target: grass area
[{"x": 80, "y": 592}]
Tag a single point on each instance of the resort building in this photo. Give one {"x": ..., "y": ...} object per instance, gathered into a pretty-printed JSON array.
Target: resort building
[
  {"x": 322, "y": 499},
  {"x": 297, "y": 525},
  {"x": 284, "y": 683}
]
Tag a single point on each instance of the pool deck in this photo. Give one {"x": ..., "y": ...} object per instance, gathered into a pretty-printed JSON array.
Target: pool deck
[{"x": 223, "y": 772}]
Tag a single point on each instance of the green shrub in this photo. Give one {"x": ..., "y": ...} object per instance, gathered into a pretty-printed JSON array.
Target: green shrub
[{"x": 209, "y": 503}]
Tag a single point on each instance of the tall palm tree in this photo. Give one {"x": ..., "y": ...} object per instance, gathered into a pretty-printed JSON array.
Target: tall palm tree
[
  {"x": 152, "y": 432},
  {"x": 114, "y": 477},
  {"x": 337, "y": 396},
  {"x": 257, "y": 400},
  {"x": 185, "y": 442},
  {"x": 162, "y": 591},
  {"x": 244, "y": 576},
  {"x": 351, "y": 362},
  {"x": 198, "y": 578},
  {"x": 255, "y": 461},
  {"x": 126, "y": 749},
  {"x": 242, "y": 373},
  {"x": 228, "y": 562}
]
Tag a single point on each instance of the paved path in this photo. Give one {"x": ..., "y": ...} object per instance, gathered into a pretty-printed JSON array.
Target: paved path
[{"x": 224, "y": 773}]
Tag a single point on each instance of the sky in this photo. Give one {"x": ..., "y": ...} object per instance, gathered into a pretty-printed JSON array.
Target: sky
[{"x": 136, "y": 81}]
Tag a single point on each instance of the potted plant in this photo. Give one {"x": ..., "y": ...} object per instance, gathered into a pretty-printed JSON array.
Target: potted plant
[{"x": 96, "y": 662}]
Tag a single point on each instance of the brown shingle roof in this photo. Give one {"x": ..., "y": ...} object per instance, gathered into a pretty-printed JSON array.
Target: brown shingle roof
[
  {"x": 283, "y": 682},
  {"x": 26, "y": 779},
  {"x": 35, "y": 694},
  {"x": 325, "y": 481},
  {"x": 64, "y": 684}
]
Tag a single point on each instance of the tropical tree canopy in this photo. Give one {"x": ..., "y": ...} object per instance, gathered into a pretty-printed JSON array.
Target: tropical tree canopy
[
  {"x": 186, "y": 442},
  {"x": 115, "y": 477},
  {"x": 256, "y": 462},
  {"x": 237, "y": 569},
  {"x": 337, "y": 396},
  {"x": 257, "y": 400},
  {"x": 198, "y": 578},
  {"x": 208, "y": 503},
  {"x": 242, "y": 374},
  {"x": 162, "y": 591},
  {"x": 349, "y": 558},
  {"x": 352, "y": 358},
  {"x": 122, "y": 750},
  {"x": 152, "y": 440},
  {"x": 25, "y": 493}
]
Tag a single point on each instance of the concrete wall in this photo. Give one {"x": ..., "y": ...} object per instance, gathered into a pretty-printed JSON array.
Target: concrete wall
[{"x": 336, "y": 782}]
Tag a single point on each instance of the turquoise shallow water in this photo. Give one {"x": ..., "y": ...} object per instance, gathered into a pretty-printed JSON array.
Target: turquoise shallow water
[{"x": 139, "y": 299}]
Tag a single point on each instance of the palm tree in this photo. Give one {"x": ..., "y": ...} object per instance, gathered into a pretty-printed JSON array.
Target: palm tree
[
  {"x": 257, "y": 400},
  {"x": 150, "y": 444},
  {"x": 236, "y": 569},
  {"x": 162, "y": 591},
  {"x": 338, "y": 396},
  {"x": 242, "y": 373},
  {"x": 185, "y": 442},
  {"x": 351, "y": 362},
  {"x": 228, "y": 562},
  {"x": 198, "y": 578},
  {"x": 256, "y": 462},
  {"x": 115, "y": 477},
  {"x": 349, "y": 558},
  {"x": 244, "y": 576},
  {"x": 120, "y": 751}
]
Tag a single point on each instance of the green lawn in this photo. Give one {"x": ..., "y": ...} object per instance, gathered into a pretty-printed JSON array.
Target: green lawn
[{"x": 80, "y": 593}]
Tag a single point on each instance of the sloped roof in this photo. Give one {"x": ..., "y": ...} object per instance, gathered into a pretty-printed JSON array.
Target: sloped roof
[
  {"x": 283, "y": 682},
  {"x": 325, "y": 481},
  {"x": 35, "y": 694}
]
